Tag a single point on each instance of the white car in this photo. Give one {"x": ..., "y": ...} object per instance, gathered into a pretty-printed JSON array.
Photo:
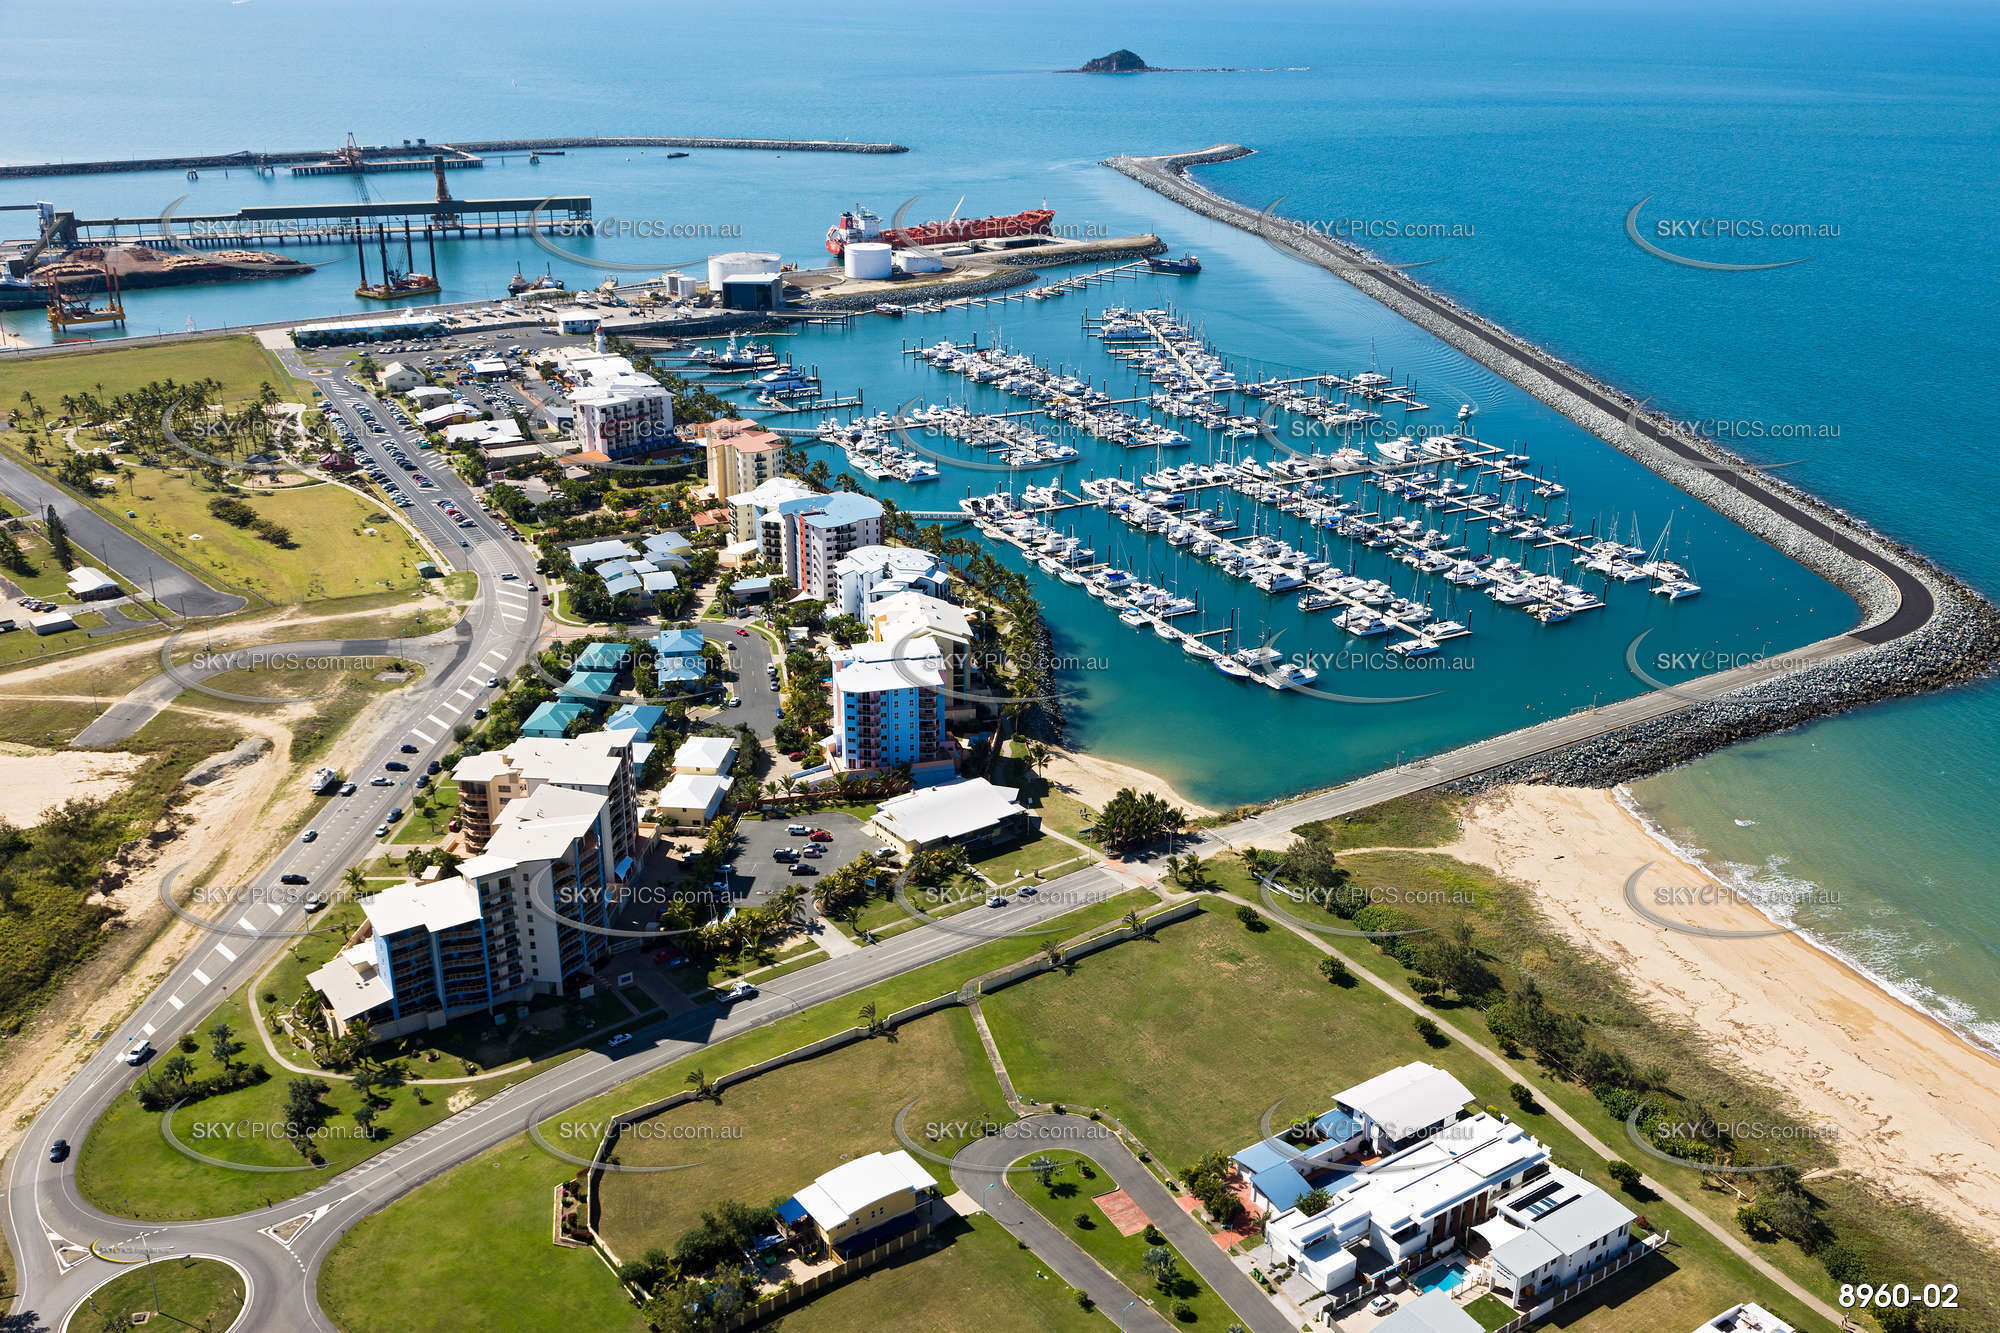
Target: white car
[
  {"x": 797, "y": 830},
  {"x": 141, "y": 1052},
  {"x": 1381, "y": 1305}
]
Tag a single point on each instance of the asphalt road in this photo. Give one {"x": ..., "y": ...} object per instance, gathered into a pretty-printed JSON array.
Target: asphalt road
[{"x": 172, "y": 585}]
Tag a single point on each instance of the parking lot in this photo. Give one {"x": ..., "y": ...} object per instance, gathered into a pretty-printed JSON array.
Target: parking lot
[{"x": 758, "y": 878}]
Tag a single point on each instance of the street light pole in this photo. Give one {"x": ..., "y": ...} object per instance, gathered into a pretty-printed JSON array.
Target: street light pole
[{"x": 1121, "y": 1313}]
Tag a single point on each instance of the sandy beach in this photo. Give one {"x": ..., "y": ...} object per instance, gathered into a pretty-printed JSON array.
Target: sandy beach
[
  {"x": 1915, "y": 1106},
  {"x": 1094, "y": 781}
]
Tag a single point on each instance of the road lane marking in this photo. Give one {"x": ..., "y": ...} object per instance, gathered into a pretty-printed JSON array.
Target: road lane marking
[
  {"x": 245, "y": 922},
  {"x": 175, "y": 1001},
  {"x": 202, "y": 977},
  {"x": 147, "y": 1029},
  {"x": 226, "y": 952},
  {"x": 441, "y": 721},
  {"x": 427, "y": 740},
  {"x": 274, "y": 909}
]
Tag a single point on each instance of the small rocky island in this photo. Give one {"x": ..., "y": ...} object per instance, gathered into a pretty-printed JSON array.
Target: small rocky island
[{"x": 1120, "y": 61}]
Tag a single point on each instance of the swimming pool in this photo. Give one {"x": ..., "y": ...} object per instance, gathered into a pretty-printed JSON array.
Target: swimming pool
[{"x": 1441, "y": 1277}]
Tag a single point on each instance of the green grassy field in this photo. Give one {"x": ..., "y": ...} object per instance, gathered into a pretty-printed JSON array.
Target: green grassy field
[
  {"x": 200, "y": 1294},
  {"x": 1423, "y": 819},
  {"x": 402, "y": 1268},
  {"x": 127, "y": 1167},
  {"x": 1069, "y": 1193},
  {"x": 471, "y": 1250},
  {"x": 767, "y": 1139},
  {"x": 239, "y": 362},
  {"x": 343, "y": 545},
  {"x": 982, "y": 1280}
]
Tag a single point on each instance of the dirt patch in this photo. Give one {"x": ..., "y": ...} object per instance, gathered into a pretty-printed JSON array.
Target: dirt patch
[{"x": 31, "y": 783}]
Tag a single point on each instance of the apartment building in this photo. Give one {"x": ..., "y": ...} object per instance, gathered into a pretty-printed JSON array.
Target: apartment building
[
  {"x": 741, "y": 456},
  {"x": 888, "y": 706},
  {"x": 599, "y": 763},
  {"x": 814, "y": 533},
  {"x": 867, "y": 574}
]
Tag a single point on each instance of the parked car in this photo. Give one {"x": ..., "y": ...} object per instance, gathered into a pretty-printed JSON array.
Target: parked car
[
  {"x": 293, "y": 879},
  {"x": 347, "y": 789},
  {"x": 140, "y": 1052},
  {"x": 1381, "y": 1305},
  {"x": 804, "y": 868},
  {"x": 381, "y": 782},
  {"x": 815, "y": 851},
  {"x": 381, "y": 830},
  {"x": 820, "y": 835},
  {"x": 996, "y": 901},
  {"x": 397, "y": 766},
  {"x": 619, "y": 1040},
  {"x": 407, "y": 748},
  {"x": 797, "y": 830}
]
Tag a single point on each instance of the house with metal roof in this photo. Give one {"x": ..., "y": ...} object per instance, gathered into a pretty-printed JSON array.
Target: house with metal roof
[
  {"x": 603, "y": 657},
  {"x": 858, "y": 1204},
  {"x": 553, "y": 719}
]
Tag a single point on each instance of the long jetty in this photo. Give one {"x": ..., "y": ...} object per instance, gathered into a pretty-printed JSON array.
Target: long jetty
[{"x": 254, "y": 159}]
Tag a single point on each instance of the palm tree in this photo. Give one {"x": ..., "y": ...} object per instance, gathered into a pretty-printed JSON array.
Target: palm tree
[
  {"x": 352, "y": 880},
  {"x": 698, "y": 1080},
  {"x": 1038, "y": 755}
]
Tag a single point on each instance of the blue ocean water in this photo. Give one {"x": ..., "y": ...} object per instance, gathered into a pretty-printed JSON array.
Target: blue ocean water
[{"x": 1524, "y": 135}]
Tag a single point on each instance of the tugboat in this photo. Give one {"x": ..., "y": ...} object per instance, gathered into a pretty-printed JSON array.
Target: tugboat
[
  {"x": 521, "y": 282},
  {"x": 1187, "y": 265}
]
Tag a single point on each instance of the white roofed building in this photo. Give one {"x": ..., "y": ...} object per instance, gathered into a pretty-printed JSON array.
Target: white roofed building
[
  {"x": 1409, "y": 1203},
  {"x": 911, "y": 615},
  {"x": 855, "y": 1205},
  {"x": 868, "y": 573},
  {"x": 1562, "y": 1227},
  {"x": 974, "y": 814}
]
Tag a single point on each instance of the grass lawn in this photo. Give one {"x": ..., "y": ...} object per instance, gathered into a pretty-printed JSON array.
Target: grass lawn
[
  {"x": 1491, "y": 1311},
  {"x": 962, "y": 1288},
  {"x": 1039, "y": 853},
  {"x": 1423, "y": 819},
  {"x": 1069, "y": 1193},
  {"x": 476, "y": 1240},
  {"x": 698, "y": 975},
  {"x": 203, "y": 1294},
  {"x": 239, "y": 362},
  {"x": 767, "y": 1139},
  {"x": 342, "y": 544},
  {"x": 126, "y": 1166},
  {"x": 428, "y": 826},
  {"x": 471, "y": 1250}
]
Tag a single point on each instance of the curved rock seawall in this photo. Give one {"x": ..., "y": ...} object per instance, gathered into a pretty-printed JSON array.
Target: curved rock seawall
[{"x": 1922, "y": 629}]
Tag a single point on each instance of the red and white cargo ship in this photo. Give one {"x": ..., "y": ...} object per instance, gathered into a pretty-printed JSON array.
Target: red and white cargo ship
[{"x": 861, "y": 225}]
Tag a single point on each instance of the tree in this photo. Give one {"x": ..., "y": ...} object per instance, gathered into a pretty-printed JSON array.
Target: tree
[
  {"x": 58, "y": 536},
  {"x": 1131, "y": 819},
  {"x": 1428, "y": 1030},
  {"x": 1045, "y": 1170},
  {"x": 1624, "y": 1173},
  {"x": 1188, "y": 872},
  {"x": 1313, "y": 1202},
  {"x": 1335, "y": 972},
  {"x": 222, "y": 1050},
  {"x": 1165, "y": 1269},
  {"x": 698, "y": 1080}
]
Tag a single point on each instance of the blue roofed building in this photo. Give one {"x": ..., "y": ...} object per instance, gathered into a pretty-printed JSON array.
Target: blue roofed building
[
  {"x": 553, "y": 719},
  {"x": 640, "y": 718},
  {"x": 588, "y": 683},
  {"x": 603, "y": 657}
]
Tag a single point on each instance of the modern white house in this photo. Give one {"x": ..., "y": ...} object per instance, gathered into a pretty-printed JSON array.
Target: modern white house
[
  {"x": 710, "y": 755},
  {"x": 691, "y": 800},
  {"x": 1409, "y": 1204},
  {"x": 1748, "y": 1317},
  {"x": 1549, "y": 1233}
]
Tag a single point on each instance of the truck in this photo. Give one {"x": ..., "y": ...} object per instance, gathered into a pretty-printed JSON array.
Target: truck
[{"x": 322, "y": 781}]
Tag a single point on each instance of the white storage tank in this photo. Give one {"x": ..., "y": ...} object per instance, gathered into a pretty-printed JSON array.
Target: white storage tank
[
  {"x": 676, "y": 286},
  {"x": 868, "y": 261},
  {"x": 723, "y": 267},
  {"x": 917, "y": 261}
]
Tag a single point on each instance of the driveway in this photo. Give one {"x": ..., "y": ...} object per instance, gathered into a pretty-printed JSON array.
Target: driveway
[
  {"x": 747, "y": 677},
  {"x": 981, "y": 1170}
]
